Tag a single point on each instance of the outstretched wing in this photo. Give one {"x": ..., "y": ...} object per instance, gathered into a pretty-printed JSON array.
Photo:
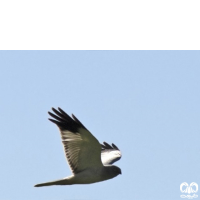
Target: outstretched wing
[
  {"x": 109, "y": 154},
  {"x": 81, "y": 148}
]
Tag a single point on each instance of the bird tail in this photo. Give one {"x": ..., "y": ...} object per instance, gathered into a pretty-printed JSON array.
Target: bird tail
[{"x": 57, "y": 182}]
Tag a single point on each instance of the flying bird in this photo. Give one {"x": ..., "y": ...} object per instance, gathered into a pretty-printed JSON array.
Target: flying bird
[{"x": 89, "y": 161}]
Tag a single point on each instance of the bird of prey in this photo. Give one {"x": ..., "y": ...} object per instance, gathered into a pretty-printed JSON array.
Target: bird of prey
[{"x": 90, "y": 161}]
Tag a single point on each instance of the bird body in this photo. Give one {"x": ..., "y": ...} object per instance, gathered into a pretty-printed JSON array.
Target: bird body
[
  {"x": 91, "y": 175},
  {"x": 89, "y": 160}
]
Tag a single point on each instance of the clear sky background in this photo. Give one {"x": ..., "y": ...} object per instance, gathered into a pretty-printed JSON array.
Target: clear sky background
[{"x": 146, "y": 102}]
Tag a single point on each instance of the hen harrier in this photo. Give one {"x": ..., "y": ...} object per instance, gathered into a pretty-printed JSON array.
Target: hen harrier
[{"x": 90, "y": 161}]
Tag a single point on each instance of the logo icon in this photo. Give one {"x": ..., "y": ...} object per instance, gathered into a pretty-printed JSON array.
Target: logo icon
[{"x": 189, "y": 189}]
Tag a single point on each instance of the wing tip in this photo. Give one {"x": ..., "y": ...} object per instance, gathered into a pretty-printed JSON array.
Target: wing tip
[
  {"x": 105, "y": 145},
  {"x": 36, "y": 185},
  {"x": 115, "y": 147}
]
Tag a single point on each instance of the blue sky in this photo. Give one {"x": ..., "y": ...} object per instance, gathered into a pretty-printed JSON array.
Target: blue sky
[{"x": 146, "y": 102}]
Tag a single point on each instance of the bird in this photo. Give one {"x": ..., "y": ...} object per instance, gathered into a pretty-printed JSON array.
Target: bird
[{"x": 89, "y": 160}]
